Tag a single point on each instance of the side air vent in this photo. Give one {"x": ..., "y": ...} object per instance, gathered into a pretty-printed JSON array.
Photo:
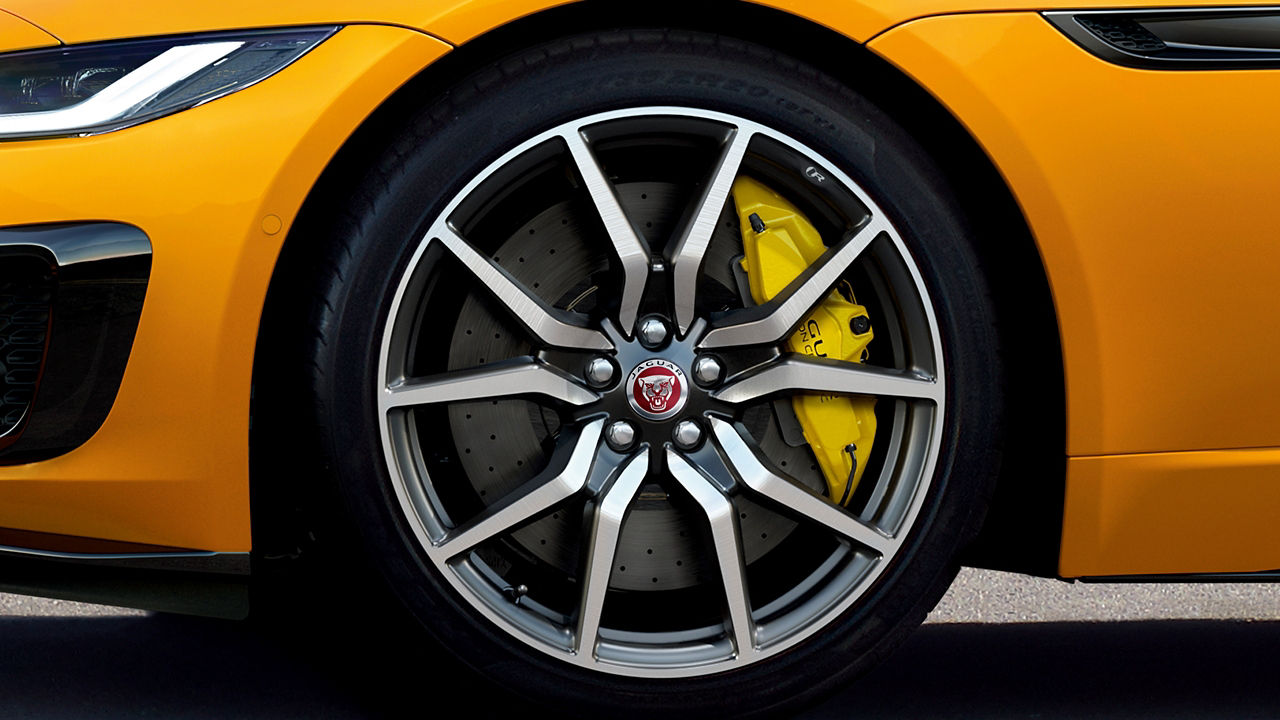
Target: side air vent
[
  {"x": 1123, "y": 33},
  {"x": 1211, "y": 39},
  {"x": 26, "y": 296},
  {"x": 70, "y": 299}
]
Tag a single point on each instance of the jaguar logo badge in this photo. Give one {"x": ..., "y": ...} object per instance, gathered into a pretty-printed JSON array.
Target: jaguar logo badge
[{"x": 657, "y": 389}]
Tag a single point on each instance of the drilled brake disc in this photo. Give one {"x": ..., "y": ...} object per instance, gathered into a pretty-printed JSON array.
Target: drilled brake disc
[{"x": 502, "y": 444}]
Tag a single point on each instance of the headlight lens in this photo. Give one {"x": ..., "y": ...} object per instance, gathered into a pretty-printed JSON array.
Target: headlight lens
[{"x": 98, "y": 88}]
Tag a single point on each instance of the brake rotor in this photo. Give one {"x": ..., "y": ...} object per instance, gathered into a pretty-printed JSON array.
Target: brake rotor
[{"x": 501, "y": 444}]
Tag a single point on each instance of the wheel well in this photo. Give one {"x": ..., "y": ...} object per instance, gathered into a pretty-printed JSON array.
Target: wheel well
[{"x": 1022, "y": 530}]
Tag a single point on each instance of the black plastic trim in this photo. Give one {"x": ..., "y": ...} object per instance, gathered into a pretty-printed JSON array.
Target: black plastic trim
[
  {"x": 192, "y": 590},
  {"x": 100, "y": 272},
  {"x": 189, "y": 561},
  {"x": 1265, "y": 576},
  {"x": 1183, "y": 39}
]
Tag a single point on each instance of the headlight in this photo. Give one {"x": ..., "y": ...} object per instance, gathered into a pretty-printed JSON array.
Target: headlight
[{"x": 98, "y": 88}]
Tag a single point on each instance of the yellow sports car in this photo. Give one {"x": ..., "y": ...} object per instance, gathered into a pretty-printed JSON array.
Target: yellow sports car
[{"x": 659, "y": 357}]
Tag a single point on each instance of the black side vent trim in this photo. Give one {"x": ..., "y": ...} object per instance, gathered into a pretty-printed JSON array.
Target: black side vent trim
[
  {"x": 1177, "y": 39},
  {"x": 70, "y": 299}
]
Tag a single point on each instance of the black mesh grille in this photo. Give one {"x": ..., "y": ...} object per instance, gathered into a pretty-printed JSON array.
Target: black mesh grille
[
  {"x": 1122, "y": 33},
  {"x": 26, "y": 292}
]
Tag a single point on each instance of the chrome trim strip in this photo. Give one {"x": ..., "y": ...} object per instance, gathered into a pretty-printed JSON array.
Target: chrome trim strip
[{"x": 74, "y": 243}]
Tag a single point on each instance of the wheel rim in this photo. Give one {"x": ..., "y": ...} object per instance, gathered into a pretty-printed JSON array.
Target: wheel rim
[{"x": 588, "y": 474}]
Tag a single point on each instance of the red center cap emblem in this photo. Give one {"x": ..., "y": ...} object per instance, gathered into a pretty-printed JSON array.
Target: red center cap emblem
[{"x": 657, "y": 389}]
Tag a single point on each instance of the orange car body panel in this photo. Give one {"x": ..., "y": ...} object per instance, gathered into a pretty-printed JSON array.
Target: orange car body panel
[
  {"x": 1211, "y": 511},
  {"x": 18, "y": 34},
  {"x": 457, "y": 21},
  {"x": 170, "y": 464},
  {"x": 1155, "y": 221},
  {"x": 1150, "y": 301}
]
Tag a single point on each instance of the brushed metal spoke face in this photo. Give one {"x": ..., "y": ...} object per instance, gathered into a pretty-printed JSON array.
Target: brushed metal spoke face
[
  {"x": 567, "y": 476},
  {"x": 792, "y": 374},
  {"x": 689, "y": 250},
  {"x": 546, "y": 324},
  {"x": 648, "y": 544},
  {"x": 602, "y": 545},
  {"x": 632, "y": 252},
  {"x": 726, "y": 540},
  {"x": 503, "y": 379},
  {"x": 753, "y": 473},
  {"x": 773, "y": 321}
]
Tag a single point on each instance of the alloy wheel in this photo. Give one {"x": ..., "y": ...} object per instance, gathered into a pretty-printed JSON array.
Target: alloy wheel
[{"x": 667, "y": 532}]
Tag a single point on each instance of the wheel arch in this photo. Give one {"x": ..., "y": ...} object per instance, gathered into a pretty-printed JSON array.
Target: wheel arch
[{"x": 1022, "y": 530}]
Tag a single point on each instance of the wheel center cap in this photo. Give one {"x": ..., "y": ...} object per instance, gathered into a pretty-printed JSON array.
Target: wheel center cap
[{"x": 657, "y": 389}]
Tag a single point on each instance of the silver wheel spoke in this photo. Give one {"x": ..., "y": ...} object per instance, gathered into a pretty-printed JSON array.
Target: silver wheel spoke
[
  {"x": 509, "y": 378},
  {"x": 728, "y": 546},
  {"x": 633, "y": 253},
  {"x": 796, "y": 374},
  {"x": 686, "y": 258},
  {"x": 755, "y": 475},
  {"x": 543, "y": 321},
  {"x": 560, "y": 481},
  {"x": 606, "y": 527},
  {"x": 771, "y": 322}
]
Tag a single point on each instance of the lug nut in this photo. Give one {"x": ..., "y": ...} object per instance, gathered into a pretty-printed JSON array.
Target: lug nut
[
  {"x": 599, "y": 372},
  {"x": 620, "y": 435},
  {"x": 687, "y": 434},
  {"x": 653, "y": 332},
  {"x": 707, "y": 370}
]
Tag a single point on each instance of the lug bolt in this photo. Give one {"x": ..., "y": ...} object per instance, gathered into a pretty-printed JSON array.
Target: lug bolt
[
  {"x": 620, "y": 435},
  {"x": 707, "y": 370},
  {"x": 687, "y": 434},
  {"x": 599, "y": 372},
  {"x": 653, "y": 332}
]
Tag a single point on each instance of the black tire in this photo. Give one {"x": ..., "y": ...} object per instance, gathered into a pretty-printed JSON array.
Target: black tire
[{"x": 460, "y": 134}]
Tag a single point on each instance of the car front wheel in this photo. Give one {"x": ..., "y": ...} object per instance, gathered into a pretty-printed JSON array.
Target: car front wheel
[{"x": 657, "y": 372}]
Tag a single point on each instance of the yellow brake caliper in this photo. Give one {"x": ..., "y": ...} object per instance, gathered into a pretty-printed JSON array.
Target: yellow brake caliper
[{"x": 779, "y": 242}]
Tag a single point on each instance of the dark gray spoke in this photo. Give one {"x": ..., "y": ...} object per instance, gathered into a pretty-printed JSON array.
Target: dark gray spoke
[
  {"x": 557, "y": 483},
  {"x": 785, "y": 492},
  {"x": 632, "y": 252},
  {"x": 508, "y": 378},
  {"x": 726, "y": 539},
  {"x": 689, "y": 249},
  {"x": 794, "y": 373},
  {"x": 769, "y": 323},
  {"x": 543, "y": 321},
  {"x": 602, "y": 545}
]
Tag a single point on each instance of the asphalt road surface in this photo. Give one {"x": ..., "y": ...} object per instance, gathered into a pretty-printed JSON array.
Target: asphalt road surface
[{"x": 998, "y": 646}]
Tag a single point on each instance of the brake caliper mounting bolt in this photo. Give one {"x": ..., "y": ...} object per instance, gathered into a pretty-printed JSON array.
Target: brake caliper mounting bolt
[
  {"x": 620, "y": 435},
  {"x": 599, "y": 372},
  {"x": 653, "y": 332},
  {"x": 859, "y": 324},
  {"x": 707, "y": 371},
  {"x": 687, "y": 434}
]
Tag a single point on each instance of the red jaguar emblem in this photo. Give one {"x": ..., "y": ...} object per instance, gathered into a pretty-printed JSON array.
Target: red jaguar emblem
[{"x": 657, "y": 388}]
